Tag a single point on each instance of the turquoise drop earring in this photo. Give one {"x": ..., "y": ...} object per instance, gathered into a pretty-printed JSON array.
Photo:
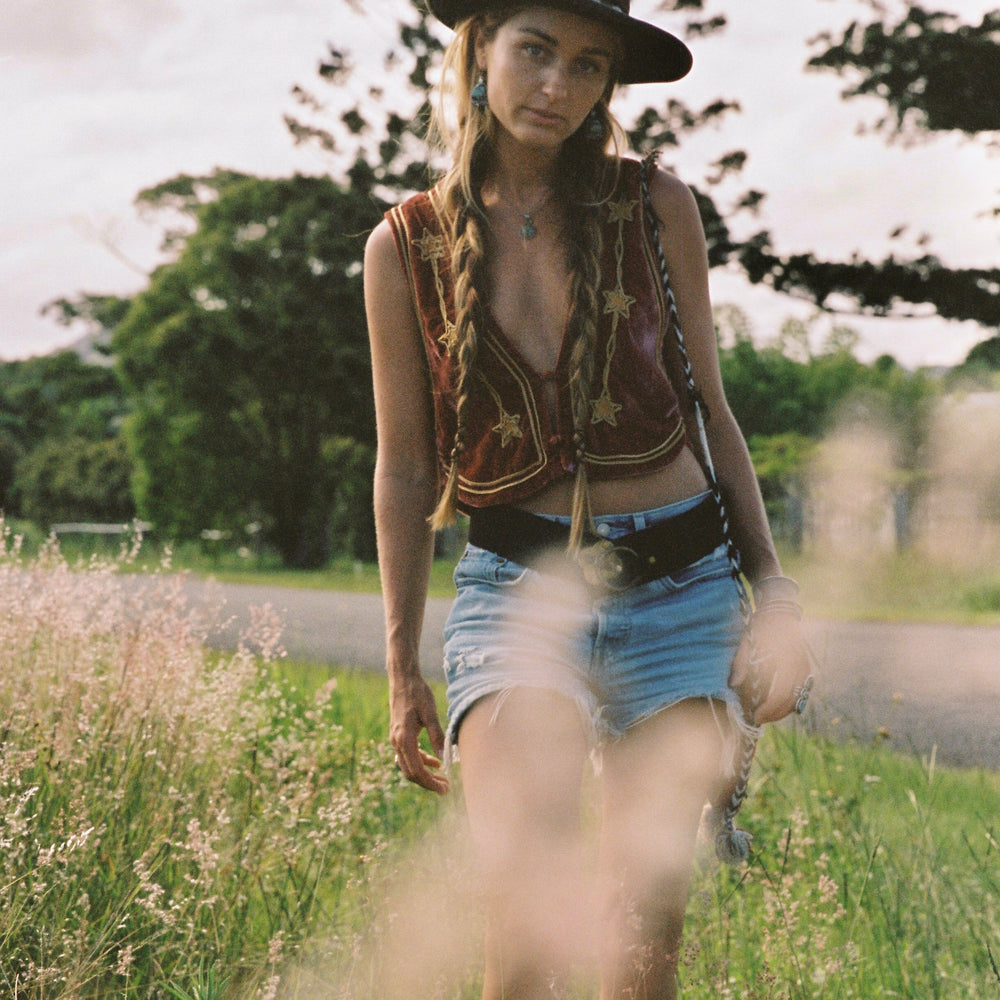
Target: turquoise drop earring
[
  {"x": 594, "y": 125},
  {"x": 478, "y": 95}
]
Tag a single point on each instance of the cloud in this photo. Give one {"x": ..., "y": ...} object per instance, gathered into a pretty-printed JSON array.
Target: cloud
[{"x": 71, "y": 29}]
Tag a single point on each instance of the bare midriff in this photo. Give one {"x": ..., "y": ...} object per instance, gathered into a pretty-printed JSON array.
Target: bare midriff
[{"x": 681, "y": 479}]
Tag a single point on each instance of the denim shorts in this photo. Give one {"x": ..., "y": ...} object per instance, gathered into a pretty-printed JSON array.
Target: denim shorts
[{"x": 620, "y": 657}]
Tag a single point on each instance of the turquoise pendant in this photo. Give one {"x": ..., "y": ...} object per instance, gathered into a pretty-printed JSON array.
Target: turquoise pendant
[{"x": 528, "y": 230}]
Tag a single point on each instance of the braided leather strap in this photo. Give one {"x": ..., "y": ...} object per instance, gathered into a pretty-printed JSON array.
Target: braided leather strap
[{"x": 731, "y": 845}]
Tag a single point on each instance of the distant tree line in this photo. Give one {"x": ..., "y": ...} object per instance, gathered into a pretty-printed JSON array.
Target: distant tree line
[
  {"x": 218, "y": 433},
  {"x": 235, "y": 390}
]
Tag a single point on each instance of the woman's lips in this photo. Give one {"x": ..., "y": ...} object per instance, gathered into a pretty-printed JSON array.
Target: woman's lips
[{"x": 544, "y": 117}]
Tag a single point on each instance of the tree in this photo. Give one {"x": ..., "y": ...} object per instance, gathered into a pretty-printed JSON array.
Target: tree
[
  {"x": 98, "y": 315},
  {"x": 247, "y": 355},
  {"x": 392, "y": 156},
  {"x": 55, "y": 402},
  {"x": 74, "y": 478},
  {"x": 935, "y": 74},
  {"x": 985, "y": 353}
]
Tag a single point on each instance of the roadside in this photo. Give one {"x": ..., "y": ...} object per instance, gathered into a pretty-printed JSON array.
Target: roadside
[{"x": 917, "y": 686}]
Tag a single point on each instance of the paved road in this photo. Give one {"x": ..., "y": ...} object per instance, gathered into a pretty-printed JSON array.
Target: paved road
[{"x": 925, "y": 686}]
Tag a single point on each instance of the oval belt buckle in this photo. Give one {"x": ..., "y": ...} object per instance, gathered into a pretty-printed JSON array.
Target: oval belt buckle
[{"x": 608, "y": 566}]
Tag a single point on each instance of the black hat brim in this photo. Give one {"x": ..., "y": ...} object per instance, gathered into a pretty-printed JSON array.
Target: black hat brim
[{"x": 652, "y": 55}]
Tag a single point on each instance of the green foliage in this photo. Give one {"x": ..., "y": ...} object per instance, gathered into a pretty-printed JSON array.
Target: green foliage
[
  {"x": 985, "y": 353},
  {"x": 247, "y": 359},
  {"x": 76, "y": 479},
  {"x": 934, "y": 72},
  {"x": 393, "y": 154},
  {"x": 779, "y": 461},
  {"x": 980, "y": 369},
  {"x": 59, "y": 460},
  {"x": 207, "y": 986},
  {"x": 773, "y": 393},
  {"x": 99, "y": 314},
  {"x": 58, "y": 394}
]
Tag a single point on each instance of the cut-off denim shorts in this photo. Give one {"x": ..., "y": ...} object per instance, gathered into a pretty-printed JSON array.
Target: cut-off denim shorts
[{"x": 621, "y": 657}]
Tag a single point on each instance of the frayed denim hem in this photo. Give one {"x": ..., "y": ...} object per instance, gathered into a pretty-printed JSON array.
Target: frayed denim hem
[{"x": 585, "y": 704}]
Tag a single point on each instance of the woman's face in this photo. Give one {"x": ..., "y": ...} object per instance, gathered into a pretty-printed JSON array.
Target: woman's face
[{"x": 545, "y": 70}]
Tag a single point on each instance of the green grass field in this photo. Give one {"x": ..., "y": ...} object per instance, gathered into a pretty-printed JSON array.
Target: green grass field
[{"x": 181, "y": 823}]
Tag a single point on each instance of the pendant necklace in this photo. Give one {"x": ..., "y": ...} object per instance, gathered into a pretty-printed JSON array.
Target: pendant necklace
[{"x": 529, "y": 230}]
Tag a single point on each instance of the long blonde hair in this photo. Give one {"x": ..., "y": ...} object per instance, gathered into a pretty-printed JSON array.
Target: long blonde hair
[{"x": 585, "y": 178}]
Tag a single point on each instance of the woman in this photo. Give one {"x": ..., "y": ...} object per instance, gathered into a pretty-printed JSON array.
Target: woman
[{"x": 527, "y": 373}]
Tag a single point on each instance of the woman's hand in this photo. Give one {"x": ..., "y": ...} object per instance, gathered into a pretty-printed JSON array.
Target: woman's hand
[
  {"x": 412, "y": 708},
  {"x": 772, "y": 669}
]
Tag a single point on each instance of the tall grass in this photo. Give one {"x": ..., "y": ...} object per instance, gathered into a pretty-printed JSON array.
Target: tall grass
[
  {"x": 180, "y": 823},
  {"x": 164, "y": 809},
  {"x": 874, "y": 875}
]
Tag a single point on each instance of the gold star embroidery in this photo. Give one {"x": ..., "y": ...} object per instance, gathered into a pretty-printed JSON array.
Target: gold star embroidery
[
  {"x": 447, "y": 339},
  {"x": 605, "y": 409},
  {"x": 431, "y": 247},
  {"x": 508, "y": 428},
  {"x": 621, "y": 211},
  {"x": 617, "y": 301}
]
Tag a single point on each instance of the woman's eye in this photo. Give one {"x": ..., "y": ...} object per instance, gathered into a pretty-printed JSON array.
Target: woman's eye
[{"x": 534, "y": 51}]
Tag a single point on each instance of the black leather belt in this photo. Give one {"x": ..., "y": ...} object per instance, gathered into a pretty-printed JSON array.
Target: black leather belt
[{"x": 605, "y": 563}]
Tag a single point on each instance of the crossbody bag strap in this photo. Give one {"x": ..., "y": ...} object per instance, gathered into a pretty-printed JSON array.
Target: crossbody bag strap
[{"x": 732, "y": 845}]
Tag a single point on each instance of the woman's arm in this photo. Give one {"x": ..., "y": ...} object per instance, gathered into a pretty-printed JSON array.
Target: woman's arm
[
  {"x": 405, "y": 494},
  {"x": 778, "y": 636}
]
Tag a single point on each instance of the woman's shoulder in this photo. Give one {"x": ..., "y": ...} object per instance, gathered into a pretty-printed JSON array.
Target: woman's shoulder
[
  {"x": 380, "y": 240},
  {"x": 666, "y": 189},
  {"x": 672, "y": 199}
]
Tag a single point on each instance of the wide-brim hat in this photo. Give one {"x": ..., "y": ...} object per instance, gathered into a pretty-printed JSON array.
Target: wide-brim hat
[{"x": 652, "y": 55}]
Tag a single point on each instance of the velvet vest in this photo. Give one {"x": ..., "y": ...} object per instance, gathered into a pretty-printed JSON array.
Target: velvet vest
[{"x": 515, "y": 444}]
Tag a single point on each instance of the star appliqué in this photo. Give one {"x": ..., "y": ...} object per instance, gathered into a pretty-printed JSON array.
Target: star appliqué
[
  {"x": 618, "y": 301},
  {"x": 621, "y": 211},
  {"x": 604, "y": 410},
  {"x": 508, "y": 428},
  {"x": 431, "y": 247},
  {"x": 447, "y": 338}
]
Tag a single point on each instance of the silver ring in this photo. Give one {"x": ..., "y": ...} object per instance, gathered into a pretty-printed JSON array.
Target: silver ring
[{"x": 802, "y": 694}]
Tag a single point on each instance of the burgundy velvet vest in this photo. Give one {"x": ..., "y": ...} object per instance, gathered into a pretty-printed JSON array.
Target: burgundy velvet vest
[{"x": 515, "y": 444}]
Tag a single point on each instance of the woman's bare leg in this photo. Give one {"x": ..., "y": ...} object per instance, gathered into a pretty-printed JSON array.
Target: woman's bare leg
[
  {"x": 656, "y": 781},
  {"x": 522, "y": 759}
]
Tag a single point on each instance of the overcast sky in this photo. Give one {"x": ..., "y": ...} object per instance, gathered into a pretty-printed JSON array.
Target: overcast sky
[{"x": 101, "y": 98}]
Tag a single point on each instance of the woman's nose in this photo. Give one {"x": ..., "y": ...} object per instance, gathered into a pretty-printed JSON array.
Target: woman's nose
[{"x": 555, "y": 80}]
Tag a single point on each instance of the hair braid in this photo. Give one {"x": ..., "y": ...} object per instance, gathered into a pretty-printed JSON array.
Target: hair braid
[
  {"x": 587, "y": 191},
  {"x": 585, "y": 244},
  {"x": 468, "y": 263}
]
